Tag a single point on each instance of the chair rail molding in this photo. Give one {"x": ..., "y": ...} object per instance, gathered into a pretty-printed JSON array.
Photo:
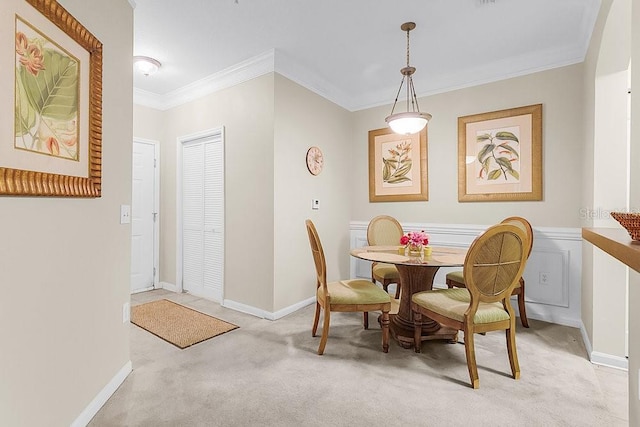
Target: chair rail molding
[{"x": 553, "y": 273}]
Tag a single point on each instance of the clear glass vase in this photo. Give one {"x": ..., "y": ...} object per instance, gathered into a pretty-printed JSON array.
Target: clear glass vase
[{"x": 415, "y": 251}]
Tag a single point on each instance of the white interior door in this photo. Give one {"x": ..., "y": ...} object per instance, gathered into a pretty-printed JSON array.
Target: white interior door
[
  {"x": 144, "y": 216},
  {"x": 203, "y": 215}
]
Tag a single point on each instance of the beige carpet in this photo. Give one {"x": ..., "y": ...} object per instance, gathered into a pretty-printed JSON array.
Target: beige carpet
[
  {"x": 270, "y": 374},
  {"x": 177, "y": 324}
]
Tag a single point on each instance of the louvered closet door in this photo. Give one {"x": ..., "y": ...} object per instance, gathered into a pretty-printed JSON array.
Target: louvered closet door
[{"x": 203, "y": 217}]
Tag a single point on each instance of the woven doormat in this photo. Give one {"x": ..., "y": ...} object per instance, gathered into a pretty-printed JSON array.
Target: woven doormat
[{"x": 177, "y": 324}]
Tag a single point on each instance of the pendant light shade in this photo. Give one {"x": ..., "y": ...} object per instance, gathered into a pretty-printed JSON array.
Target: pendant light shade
[
  {"x": 408, "y": 123},
  {"x": 411, "y": 121}
]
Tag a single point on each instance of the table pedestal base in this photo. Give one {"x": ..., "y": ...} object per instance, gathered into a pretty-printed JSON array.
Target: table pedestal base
[
  {"x": 402, "y": 331},
  {"x": 416, "y": 278}
]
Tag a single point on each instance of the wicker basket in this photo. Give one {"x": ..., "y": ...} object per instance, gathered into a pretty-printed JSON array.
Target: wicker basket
[{"x": 630, "y": 221}]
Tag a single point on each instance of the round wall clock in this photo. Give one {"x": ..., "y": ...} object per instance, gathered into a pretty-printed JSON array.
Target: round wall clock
[{"x": 315, "y": 160}]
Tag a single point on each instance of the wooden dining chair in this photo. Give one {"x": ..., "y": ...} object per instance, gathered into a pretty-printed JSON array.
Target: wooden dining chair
[
  {"x": 456, "y": 279},
  {"x": 492, "y": 268},
  {"x": 345, "y": 295},
  {"x": 387, "y": 231}
]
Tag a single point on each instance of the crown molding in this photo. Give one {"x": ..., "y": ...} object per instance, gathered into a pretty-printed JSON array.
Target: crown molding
[
  {"x": 277, "y": 61},
  {"x": 267, "y": 62},
  {"x": 308, "y": 79},
  {"x": 239, "y": 73}
]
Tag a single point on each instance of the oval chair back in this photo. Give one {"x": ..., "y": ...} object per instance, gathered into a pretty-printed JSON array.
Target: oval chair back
[
  {"x": 525, "y": 226},
  {"x": 494, "y": 264},
  {"x": 384, "y": 230}
]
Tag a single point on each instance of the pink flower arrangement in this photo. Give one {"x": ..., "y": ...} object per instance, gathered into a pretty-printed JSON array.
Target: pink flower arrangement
[{"x": 415, "y": 238}]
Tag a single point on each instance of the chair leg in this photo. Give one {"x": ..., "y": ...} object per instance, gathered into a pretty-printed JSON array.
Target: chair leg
[
  {"x": 511, "y": 350},
  {"x": 417, "y": 331},
  {"x": 325, "y": 331},
  {"x": 384, "y": 322},
  {"x": 470, "y": 351},
  {"x": 397, "y": 290},
  {"x": 365, "y": 318},
  {"x": 314, "y": 329},
  {"x": 385, "y": 285},
  {"x": 521, "y": 305}
]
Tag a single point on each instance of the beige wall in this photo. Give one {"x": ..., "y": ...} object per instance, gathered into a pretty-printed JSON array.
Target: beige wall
[
  {"x": 304, "y": 119},
  {"x": 605, "y": 186},
  {"x": 64, "y": 263},
  {"x": 246, "y": 112},
  {"x": 601, "y": 300},
  {"x": 610, "y": 184},
  {"x": 634, "y": 276},
  {"x": 148, "y": 123},
  {"x": 560, "y": 92},
  {"x": 268, "y": 187},
  {"x": 590, "y": 64}
]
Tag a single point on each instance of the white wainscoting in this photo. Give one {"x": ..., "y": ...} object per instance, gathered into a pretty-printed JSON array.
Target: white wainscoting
[{"x": 552, "y": 274}]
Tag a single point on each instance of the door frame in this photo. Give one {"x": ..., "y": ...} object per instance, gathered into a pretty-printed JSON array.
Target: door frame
[
  {"x": 181, "y": 140},
  {"x": 156, "y": 206}
]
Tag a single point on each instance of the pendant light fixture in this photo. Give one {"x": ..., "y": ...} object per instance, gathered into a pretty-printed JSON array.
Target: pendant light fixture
[{"x": 411, "y": 121}]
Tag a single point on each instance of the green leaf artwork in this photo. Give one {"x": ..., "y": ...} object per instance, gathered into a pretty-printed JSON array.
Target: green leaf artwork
[
  {"x": 498, "y": 159},
  {"x": 398, "y": 164},
  {"x": 46, "y": 100}
]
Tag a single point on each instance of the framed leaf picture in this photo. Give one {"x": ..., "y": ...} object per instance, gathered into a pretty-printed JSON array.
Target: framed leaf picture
[
  {"x": 53, "y": 121},
  {"x": 397, "y": 166},
  {"x": 500, "y": 155}
]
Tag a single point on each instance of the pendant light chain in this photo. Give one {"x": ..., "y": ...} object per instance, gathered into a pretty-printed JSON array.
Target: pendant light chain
[
  {"x": 409, "y": 79},
  {"x": 408, "y": 30}
]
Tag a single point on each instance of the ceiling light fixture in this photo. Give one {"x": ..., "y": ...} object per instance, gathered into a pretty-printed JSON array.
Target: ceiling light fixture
[
  {"x": 411, "y": 121},
  {"x": 146, "y": 65}
]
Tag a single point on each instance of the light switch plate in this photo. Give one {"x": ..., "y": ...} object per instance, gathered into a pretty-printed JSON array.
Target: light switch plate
[{"x": 125, "y": 214}]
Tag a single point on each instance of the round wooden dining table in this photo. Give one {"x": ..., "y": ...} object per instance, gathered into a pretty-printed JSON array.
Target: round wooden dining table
[{"x": 416, "y": 275}]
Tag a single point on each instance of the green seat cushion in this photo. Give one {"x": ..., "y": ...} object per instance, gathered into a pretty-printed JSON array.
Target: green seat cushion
[
  {"x": 386, "y": 271},
  {"x": 355, "y": 292},
  {"x": 453, "y": 303},
  {"x": 456, "y": 276}
]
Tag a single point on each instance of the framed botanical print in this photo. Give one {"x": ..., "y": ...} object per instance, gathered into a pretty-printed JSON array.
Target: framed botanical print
[
  {"x": 51, "y": 128},
  {"x": 397, "y": 166},
  {"x": 500, "y": 155}
]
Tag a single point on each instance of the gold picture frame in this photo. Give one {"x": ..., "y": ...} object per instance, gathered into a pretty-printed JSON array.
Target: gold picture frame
[
  {"x": 397, "y": 166},
  {"x": 500, "y": 155},
  {"x": 62, "y": 155}
]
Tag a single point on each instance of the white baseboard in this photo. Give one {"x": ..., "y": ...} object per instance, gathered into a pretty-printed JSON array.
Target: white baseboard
[
  {"x": 243, "y": 308},
  {"x": 609, "y": 360},
  {"x": 603, "y": 359},
  {"x": 292, "y": 308},
  {"x": 137, "y": 291},
  {"x": 168, "y": 286},
  {"x": 92, "y": 409},
  {"x": 263, "y": 314},
  {"x": 586, "y": 340}
]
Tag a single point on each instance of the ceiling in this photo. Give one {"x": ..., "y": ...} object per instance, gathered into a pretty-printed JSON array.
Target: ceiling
[{"x": 351, "y": 52}]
